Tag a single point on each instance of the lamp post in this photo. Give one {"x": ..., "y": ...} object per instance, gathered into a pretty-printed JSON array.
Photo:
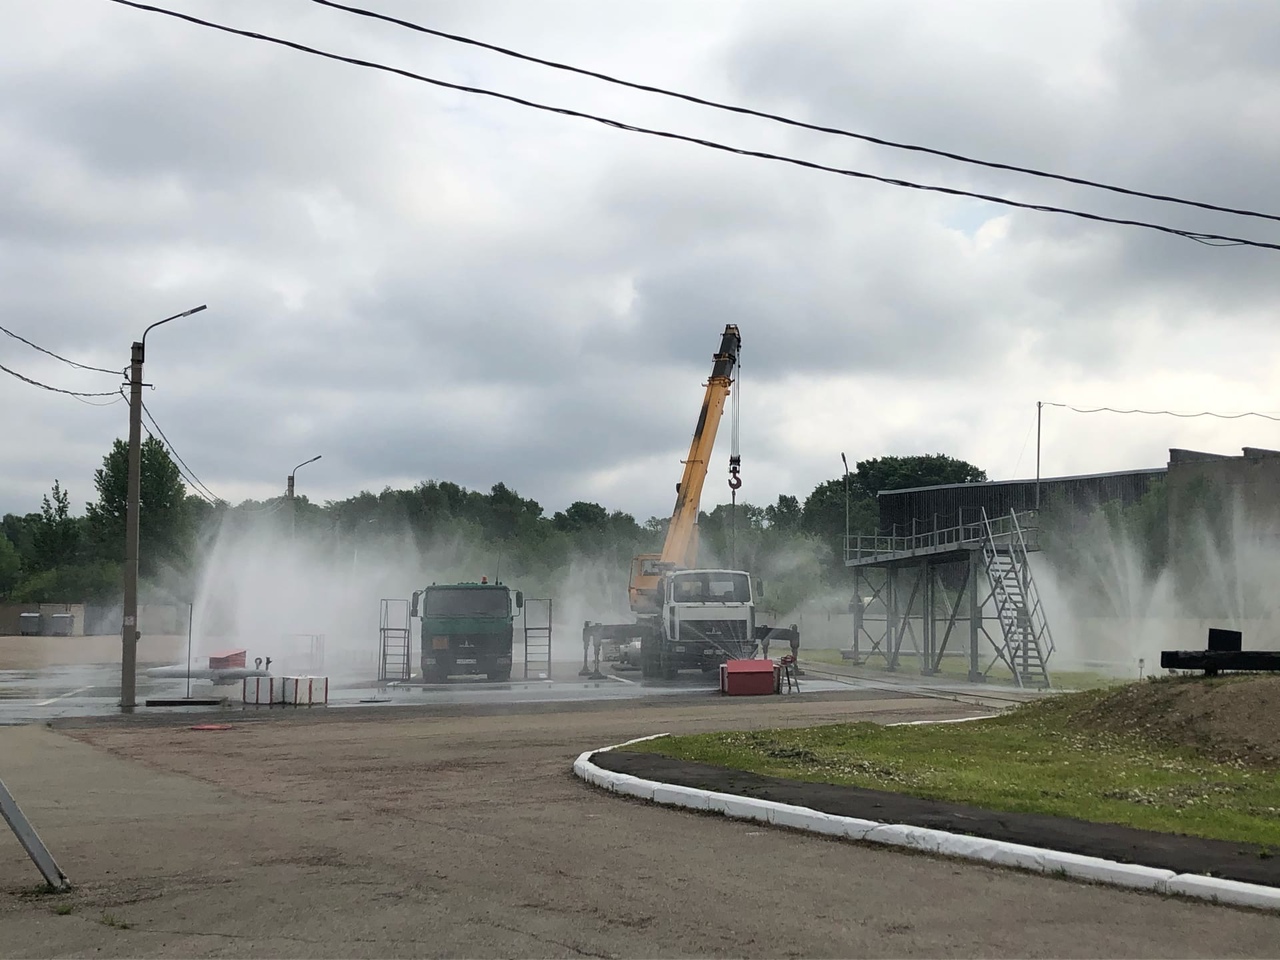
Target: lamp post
[
  {"x": 846, "y": 505},
  {"x": 129, "y": 633},
  {"x": 293, "y": 509}
]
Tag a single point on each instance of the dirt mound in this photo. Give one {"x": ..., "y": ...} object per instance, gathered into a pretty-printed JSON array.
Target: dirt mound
[{"x": 1225, "y": 718}]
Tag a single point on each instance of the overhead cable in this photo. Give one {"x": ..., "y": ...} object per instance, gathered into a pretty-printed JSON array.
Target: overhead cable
[
  {"x": 35, "y": 346},
  {"x": 1166, "y": 413},
  {"x": 791, "y": 121},
  {"x": 1211, "y": 239},
  {"x": 45, "y": 386},
  {"x": 196, "y": 483}
]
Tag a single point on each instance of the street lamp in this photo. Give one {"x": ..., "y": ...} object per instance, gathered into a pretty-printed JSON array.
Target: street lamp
[
  {"x": 846, "y": 505},
  {"x": 129, "y": 633},
  {"x": 293, "y": 510}
]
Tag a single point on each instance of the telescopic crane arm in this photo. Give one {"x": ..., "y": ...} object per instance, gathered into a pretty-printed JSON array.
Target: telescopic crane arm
[{"x": 680, "y": 548}]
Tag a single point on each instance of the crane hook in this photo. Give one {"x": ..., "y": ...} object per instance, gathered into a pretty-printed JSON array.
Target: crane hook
[{"x": 735, "y": 481}]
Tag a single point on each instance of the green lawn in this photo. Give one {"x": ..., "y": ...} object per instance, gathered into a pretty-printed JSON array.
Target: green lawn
[{"x": 1033, "y": 759}]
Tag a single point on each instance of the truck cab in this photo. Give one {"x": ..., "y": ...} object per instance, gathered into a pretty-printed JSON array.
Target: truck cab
[
  {"x": 708, "y": 617},
  {"x": 467, "y": 629}
]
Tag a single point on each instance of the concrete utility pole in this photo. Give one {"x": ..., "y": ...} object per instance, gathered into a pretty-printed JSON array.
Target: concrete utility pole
[
  {"x": 129, "y": 629},
  {"x": 293, "y": 507}
]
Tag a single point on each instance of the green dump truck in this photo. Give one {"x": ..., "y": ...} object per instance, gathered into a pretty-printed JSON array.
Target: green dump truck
[{"x": 466, "y": 629}]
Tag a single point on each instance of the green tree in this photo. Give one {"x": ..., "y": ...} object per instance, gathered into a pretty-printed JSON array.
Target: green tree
[
  {"x": 21, "y": 532},
  {"x": 10, "y": 566},
  {"x": 900, "y": 473},
  {"x": 166, "y": 527},
  {"x": 98, "y": 582},
  {"x": 786, "y": 514},
  {"x": 581, "y": 516},
  {"x": 56, "y": 538}
]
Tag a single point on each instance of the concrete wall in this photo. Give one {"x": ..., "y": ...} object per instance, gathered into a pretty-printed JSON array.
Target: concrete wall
[{"x": 95, "y": 620}]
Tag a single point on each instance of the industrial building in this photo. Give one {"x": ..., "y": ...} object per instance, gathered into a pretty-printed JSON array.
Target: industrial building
[{"x": 918, "y": 509}]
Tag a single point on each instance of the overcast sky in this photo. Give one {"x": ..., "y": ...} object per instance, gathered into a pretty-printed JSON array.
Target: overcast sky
[{"x": 423, "y": 284}]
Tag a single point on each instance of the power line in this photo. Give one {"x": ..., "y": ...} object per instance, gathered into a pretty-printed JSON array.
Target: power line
[
  {"x": 1166, "y": 413},
  {"x": 81, "y": 366},
  {"x": 1211, "y": 239},
  {"x": 197, "y": 485},
  {"x": 45, "y": 386},
  {"x": 108, "y": 403},
  {"x": 791, "y": 121}
]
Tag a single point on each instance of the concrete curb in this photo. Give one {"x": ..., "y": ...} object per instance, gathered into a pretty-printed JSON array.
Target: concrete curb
[{"x": 926, "y": 840}]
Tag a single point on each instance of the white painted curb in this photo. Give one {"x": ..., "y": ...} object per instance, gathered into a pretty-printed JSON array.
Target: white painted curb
[{"x": 926, "y": 840}]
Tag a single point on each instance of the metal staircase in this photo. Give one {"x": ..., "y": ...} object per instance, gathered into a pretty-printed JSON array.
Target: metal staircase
[
  {"x": 537, "y": 637},
  {"x": 395, "y": 641},
  {"x": 1028, "y": 644}
]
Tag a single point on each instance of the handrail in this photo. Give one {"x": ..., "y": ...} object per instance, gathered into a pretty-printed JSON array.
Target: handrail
[{"x": 1001, "y": 532}]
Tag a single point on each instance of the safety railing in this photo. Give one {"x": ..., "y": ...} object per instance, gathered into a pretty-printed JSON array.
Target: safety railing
[{"x": 1014, "y": 529}]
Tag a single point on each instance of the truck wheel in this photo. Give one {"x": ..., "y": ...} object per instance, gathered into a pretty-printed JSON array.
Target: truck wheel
[
  {"x": 499, "y": 673},
  {"x": 669, "y": 668},
  {"x": 650, "y": 665},
  {"x": 440, "y": 672}
]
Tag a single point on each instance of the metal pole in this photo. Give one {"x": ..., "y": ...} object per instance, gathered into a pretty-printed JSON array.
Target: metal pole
[
  {"x": 293, "y": 504},
  {"x": 846, "y": 505},
  {"x": 129, "y": 633},
  {"x": 975, "y": 617},
  {"x": 1039, "y": 407},
  {"x": 129, "y": 629},
  {"x": 31, "y": 841},
  {"x": 191, "y": 615}
]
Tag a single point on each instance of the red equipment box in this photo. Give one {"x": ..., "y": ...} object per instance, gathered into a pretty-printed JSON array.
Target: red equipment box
[
  {"x": 227, "y": 660},
  {"x": 748, "y": 678}
]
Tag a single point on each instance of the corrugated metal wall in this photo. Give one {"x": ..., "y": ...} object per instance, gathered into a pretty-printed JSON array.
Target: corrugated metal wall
[{"x": 929, "y": 508}]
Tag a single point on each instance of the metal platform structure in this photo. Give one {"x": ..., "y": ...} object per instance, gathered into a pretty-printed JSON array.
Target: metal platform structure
[
  {"x": 919, "y": 588},
  {"x": 537, "y": 635},
  {"x": 395, "y": 641}
]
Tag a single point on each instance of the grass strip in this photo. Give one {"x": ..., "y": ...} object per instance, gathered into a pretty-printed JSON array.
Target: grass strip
[{"x": 1034, "y": 759}]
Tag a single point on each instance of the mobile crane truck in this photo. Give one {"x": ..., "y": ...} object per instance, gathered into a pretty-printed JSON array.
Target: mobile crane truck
[{"x": 687, "y": 617}]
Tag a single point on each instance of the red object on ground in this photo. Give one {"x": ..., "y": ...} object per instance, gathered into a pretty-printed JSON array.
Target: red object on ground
[
  {"x": 747, "y": 678},
  {"x": 227, "y": 660}
]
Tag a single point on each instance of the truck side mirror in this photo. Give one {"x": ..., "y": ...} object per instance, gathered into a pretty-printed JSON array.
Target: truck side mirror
[
  {"x": 519, "y": 599},
  {"x": 759, "y": 587},
  {"x": 413, "y": 609}
]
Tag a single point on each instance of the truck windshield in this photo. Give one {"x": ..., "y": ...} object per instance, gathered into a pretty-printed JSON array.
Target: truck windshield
[
  {"x": 712, "y": 588},
  {"x": 466, "y": 603}
]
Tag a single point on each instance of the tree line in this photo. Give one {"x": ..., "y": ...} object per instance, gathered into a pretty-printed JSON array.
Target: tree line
[{"x": 58, "y": 555}]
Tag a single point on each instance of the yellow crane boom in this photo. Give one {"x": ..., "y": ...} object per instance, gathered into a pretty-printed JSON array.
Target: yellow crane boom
[{"x": 680, "y": 549}]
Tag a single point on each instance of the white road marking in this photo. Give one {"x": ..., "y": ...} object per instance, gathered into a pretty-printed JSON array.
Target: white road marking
[
  {"x": 45, "y": 703},
  {"x": 614, "y": 676}
]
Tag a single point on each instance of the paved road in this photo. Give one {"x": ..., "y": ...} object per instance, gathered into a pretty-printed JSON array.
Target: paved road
[
  {"x": 459, "y": 831},
  {"x": 53, "y": 692}
]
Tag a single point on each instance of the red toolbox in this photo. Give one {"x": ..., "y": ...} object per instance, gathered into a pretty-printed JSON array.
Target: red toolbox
[{"x": 748, "y": 678}]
